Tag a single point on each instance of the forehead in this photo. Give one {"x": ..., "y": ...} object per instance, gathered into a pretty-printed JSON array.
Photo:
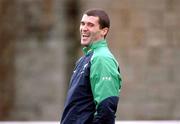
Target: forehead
[{"x": 91, "y": 19}]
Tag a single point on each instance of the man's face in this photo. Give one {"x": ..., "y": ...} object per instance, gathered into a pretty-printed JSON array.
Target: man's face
[{"x": 90, "y": 30}]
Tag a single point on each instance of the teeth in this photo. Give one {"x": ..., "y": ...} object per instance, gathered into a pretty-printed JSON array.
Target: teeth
[{"x": 85, "y": 35}]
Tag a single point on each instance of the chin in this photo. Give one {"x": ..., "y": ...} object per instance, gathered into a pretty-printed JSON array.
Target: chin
[{"x": 84, "y": 43}]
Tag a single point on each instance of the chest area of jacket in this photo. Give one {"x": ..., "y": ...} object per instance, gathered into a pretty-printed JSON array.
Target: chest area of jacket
[{"x": 81, "y": 72}]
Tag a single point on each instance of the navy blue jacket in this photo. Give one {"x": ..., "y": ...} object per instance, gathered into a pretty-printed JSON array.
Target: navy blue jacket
[{"x": 94, "y": 88}]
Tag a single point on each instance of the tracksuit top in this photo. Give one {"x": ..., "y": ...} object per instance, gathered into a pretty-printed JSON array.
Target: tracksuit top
[{"x": 94, "y": 89}]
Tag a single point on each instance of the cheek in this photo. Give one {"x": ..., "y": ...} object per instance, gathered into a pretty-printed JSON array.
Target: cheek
[
  {"x": 80, "y": 29},
  {"x": 96, "y": 33}
]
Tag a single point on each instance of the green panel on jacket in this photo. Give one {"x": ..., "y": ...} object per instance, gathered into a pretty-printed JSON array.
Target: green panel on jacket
[{"x": 104, "y": 75}]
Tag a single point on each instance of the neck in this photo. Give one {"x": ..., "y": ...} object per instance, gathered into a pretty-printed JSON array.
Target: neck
[
  {"x": 98, "y": 40},
  {"x": 95, "y": 41}
]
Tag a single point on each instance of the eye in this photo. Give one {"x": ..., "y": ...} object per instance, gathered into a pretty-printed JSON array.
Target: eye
[
  {"x": 82, "y": 23},
  {"x": 90, "y": 24}
]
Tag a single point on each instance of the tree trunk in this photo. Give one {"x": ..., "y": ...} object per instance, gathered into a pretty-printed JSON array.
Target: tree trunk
[{"x": 7, "y": 37}]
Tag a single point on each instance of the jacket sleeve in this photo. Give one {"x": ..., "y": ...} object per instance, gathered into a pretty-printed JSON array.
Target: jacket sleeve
[{"x": 105, "y": 84}]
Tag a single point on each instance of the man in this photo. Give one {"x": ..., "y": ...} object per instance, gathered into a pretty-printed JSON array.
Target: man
[{"x": 96, "y": 82}]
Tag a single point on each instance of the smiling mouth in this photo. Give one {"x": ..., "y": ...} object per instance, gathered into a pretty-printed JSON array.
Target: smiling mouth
[{"x": 85, "y": 36}]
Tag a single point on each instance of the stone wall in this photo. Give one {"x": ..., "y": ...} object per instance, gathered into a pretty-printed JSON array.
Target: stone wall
[
  {"x": 44, "y": 58},
  {"x": 39, "y": 61}
]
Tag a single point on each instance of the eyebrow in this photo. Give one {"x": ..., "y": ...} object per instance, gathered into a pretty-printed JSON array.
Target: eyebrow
[{"x": 87, "y": 22}]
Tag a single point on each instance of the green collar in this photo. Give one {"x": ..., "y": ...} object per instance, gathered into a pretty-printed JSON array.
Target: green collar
[{"x": 93, "y": 46}]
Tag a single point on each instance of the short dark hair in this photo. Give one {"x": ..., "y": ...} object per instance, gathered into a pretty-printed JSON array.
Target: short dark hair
[{"x": 104, "y": 20}]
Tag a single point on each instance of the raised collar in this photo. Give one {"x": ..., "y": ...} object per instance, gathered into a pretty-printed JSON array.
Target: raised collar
[{"x": 94, "y": 45}]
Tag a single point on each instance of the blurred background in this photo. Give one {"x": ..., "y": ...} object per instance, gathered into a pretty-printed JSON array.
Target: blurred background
[{"x": 39, "y": 44}]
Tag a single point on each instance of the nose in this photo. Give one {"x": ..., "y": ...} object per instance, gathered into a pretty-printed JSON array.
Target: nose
[{"x": 84, "y": 28}]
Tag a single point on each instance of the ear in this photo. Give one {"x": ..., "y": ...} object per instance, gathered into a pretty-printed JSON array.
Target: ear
[{"x": 104, "y": 31}]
